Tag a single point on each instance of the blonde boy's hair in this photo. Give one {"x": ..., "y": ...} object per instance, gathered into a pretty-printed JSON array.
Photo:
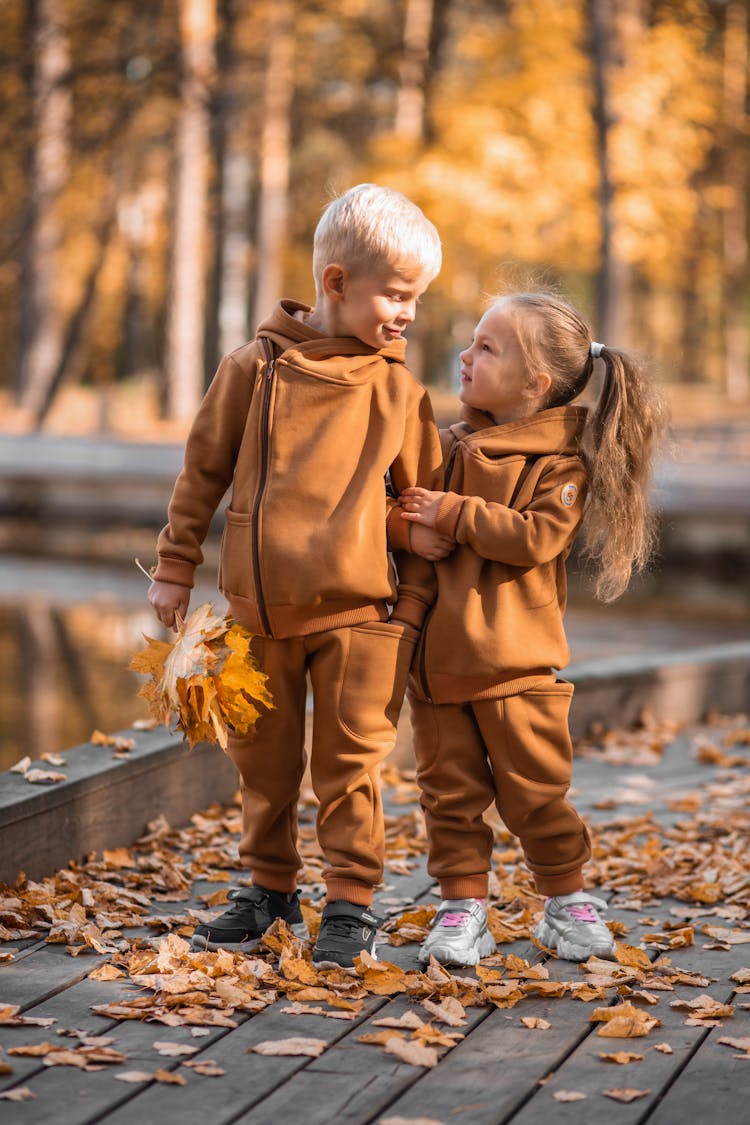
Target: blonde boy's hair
[{"x": 369, "y": 225}]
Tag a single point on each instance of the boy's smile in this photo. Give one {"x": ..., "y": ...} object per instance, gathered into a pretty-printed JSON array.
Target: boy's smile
[{"x": 376, "y": 306}]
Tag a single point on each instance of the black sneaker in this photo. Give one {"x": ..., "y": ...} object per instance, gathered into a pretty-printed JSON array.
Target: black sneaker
[
  {"x": 345, "y": 931},
  {"x": 242, "y": 926}
]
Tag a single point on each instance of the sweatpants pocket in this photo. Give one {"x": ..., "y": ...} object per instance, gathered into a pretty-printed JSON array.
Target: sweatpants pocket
[{"x": 374, "y": 678}]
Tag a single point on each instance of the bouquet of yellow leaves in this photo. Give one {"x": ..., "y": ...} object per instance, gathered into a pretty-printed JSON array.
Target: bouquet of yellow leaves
[{"x": 207, "y": 681}]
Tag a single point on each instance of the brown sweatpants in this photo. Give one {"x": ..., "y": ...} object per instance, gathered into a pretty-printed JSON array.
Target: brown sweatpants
[
  {"x": 358, "y": 677},
  {"x": 516, "y": 752}
]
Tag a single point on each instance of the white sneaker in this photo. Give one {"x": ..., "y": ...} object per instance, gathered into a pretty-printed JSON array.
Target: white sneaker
[
  {"x": 459, "y": 934},
  {"x": 570, "y": 924}
]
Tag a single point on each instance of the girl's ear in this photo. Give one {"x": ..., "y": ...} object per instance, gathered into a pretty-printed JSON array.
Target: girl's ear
[
  {"x": 538, "y": 385},
  {"x": 333, "y": 281}
]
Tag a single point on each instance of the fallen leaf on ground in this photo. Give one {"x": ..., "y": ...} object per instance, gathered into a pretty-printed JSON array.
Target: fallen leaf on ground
[
  {"x": 19, "y": 1094},
  {"x": 621, "y": 1057},
  {"x": 293, "y": 1046},
  {"x": 569, "y": 1096},
  {"x": 535, "y": 1022},
  {"x": 626, "y": 1095},
  {"x": 415, "y": 1054}
]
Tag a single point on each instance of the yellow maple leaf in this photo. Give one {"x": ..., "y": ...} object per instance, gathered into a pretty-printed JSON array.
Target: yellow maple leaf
[{"x": 207, "y": 682}]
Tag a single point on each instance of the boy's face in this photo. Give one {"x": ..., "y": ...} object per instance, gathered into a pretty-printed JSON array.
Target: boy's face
[{"x": 376, "y": 306}]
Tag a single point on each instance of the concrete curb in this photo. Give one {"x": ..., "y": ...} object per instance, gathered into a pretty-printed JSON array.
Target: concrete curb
[{"x": 108, "y": 803}]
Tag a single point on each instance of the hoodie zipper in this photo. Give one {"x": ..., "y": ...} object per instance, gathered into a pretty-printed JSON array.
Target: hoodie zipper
[{"x": 268, "y": 379}]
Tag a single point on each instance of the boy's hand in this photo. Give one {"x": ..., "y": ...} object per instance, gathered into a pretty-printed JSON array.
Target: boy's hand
[
  {"x": 430, "y": 544},
  {"x": 419, "y": 505},
  {"x": 167, "y": 598}
]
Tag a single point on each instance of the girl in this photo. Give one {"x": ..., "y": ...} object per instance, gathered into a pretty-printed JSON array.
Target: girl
[{"x": 525, "y": 470}]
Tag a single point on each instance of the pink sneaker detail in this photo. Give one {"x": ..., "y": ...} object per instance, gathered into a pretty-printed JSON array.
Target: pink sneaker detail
[
  {"x": 583, "y": 913},
  {"x": 454, "y": 919}
]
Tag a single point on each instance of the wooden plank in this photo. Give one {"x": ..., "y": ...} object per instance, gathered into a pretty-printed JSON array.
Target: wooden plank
[
  {"x": 714, "y": 1084},
  {"x": 43, "y": 973},
  {"x": 106, "y": 803},
  {"x": 487, "y": 1077},
  {"x": 352, "y": 1082},
  {"x": 248, "y": 1077}
]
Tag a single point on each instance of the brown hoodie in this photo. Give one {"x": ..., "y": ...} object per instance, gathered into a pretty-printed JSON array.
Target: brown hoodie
[
  {"x": 305, "y": 443},
  {"x": 514, "y": 504}
]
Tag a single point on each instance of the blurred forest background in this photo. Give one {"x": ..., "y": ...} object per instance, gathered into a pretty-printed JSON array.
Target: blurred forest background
[{"x": 163, "y": 167}]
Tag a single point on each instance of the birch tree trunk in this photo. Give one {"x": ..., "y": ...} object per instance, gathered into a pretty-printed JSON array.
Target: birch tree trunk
[
  {"x": 186, "y": 311},
  {"x": 41, "y": 316},
  {"x": 273, "y": 199},
  {"x": 735, "y": 216}
]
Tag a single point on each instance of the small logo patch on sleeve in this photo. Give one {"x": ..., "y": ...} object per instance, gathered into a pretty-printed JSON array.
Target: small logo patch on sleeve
[{"x": 568, "y": 494}]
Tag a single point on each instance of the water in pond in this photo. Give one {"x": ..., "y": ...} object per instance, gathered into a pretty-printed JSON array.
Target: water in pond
[{"x": 68, "y": 631}]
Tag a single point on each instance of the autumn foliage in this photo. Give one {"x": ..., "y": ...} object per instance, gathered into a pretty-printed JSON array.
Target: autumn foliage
[{"x": 207, "y": 681}]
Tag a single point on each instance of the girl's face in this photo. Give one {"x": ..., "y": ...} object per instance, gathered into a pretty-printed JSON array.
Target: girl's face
[{"x": 493, "y": 371}]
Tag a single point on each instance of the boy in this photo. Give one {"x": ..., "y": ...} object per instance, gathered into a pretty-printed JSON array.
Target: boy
[{"x": 304, "y": 423}]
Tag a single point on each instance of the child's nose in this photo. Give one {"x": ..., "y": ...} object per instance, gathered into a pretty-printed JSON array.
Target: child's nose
[{"x": 409, "y": 310}]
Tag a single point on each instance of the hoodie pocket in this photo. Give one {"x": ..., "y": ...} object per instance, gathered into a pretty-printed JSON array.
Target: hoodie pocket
[
  {"x": 374, "y": 678},
  {"x": 235, "y": 565}
]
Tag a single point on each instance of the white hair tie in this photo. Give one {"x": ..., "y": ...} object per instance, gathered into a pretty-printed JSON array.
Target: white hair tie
[{"x": 595, "y": 350}]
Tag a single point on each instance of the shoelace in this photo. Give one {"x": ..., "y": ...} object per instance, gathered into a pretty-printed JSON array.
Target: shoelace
[
  {"x": 451, "y": 919},
  {"x": 582, "y": 912}
]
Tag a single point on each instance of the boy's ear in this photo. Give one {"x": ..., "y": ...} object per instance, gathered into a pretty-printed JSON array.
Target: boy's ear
[
  {"x": 333, "y": 281},
  {"x": 538, "y": 385}
]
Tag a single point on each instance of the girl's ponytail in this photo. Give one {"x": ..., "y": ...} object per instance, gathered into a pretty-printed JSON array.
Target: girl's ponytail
[{"x": 619, "y": 443}]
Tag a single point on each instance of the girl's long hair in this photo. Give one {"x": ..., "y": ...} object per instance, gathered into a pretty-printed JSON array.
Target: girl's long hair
[{"x": 620, "y": 438}]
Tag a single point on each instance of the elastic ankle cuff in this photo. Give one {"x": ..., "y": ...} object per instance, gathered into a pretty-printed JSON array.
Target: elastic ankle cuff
[
  {"x": 552, "y": 885},
  {"x": 350, "y": 890},
  {"x": 274, "y": 881},
  {"x": 465, "y": 886}
]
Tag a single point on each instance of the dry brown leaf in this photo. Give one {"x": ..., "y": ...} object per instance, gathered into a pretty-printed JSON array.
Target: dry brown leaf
[
  {"x": 741, "y": 1044},
  {"x": 664, "y": 1048},
  {"x": 703, "y": 1007},
  {"x": 535, "y": 1022},
  {"x": 409, "y": 1021},
  {"x": 208, "y": 682},
  {"x": 206, "y": 1067},
  {"x": 449, "y": 1011},
  {"x": 569, "y": 1096},
  {"x": 174, "y": 1050},
  {"x": 411, "y": 1052},
  {"x": 293, "y": 1046},
  {"x": 313, "y": 1010},
  {"x": 21, "y": 766},
  {"x": 169, "y": 1077},
  {"x": 621, "y": 1057},
  {"x": 44, "y": 777},
  {"x": 19, "y": 1094},
  {"x": 624, "y": 1027},
  {"x": 626, "y": 1095}
]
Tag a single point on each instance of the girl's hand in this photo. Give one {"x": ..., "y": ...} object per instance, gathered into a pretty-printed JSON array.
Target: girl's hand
[
  {"x": 430, "y": 544},
  {"x": 167, "y": 599},
  {"x": 419, "y": 505}
]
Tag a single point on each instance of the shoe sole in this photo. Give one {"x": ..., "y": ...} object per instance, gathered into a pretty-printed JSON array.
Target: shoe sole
[
  {"x": 484, "y": 946},
  {"x": 548, "y": 936},
  {"x": 200, "y": 943},
  {"x": 328, "y": 964}
]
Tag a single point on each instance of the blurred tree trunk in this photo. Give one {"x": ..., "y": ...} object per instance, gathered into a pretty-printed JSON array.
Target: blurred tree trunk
[
  {"x": 273, "y": 202},
  {"x": 409, "y": 124},
  {"x": 616, "y": 30},
  {"x": 228, "y": 311},
  {"x": 187, "y": 298},
  {"x": 41, "y": 317},
  {"x": 735, "y": 215}
]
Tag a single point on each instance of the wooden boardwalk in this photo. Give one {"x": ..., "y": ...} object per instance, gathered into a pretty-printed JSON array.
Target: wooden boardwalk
[{"x": 513, "y": 1042}]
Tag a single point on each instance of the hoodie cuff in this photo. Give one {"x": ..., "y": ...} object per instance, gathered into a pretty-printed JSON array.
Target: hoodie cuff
[
  {"x": 398, "y": 531},
  {"x": 449, "y": 511},
  {"x": 178, "y": 571}
]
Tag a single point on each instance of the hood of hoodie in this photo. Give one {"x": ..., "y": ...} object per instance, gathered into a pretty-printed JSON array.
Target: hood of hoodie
[
  {"x": 307, "y": 347},
  {"x": 558, "y": 430}
]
